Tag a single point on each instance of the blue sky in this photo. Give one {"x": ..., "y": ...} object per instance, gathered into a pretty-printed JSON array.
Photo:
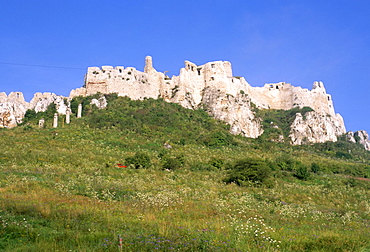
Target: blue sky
[{"x": 296, "y": 41}]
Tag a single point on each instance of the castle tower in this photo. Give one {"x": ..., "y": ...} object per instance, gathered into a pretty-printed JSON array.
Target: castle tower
[{"x": 148, "y": 64}]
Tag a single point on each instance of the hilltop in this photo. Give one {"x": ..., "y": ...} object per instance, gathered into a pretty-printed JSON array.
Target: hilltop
[{"x": 211, "y": 86}]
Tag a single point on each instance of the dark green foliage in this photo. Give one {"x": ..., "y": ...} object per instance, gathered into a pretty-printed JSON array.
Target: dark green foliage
[
  {"x": 30, "y": 114},
  {"x": 162, "y": 120},
  {"x": 302, "y": 172},
  {"x": 278, "y": 122},
  {"x": 352, "y": 182},
  {"x": 248, "y": 170},
  {"x": 27, "y": 127},
  {"x": 217, "y": 139},
  {"x": 341, "y": 154},
  {"x": 173, "y": 163},
  {"x": 217, "y": 163},
  {"x": 341, "y": 149},
  {"x": 31, "y": 117},
  {"x": 315, "y": 168},
  {"x": 139, "y": 160},
  {"x": 286, "y": 163},
  {"x": 367, "y": 172}
]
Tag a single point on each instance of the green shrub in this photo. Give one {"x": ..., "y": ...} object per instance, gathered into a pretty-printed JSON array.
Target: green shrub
[
  {"x": 172, "y": 163},
  {"x": 341, "y": 154},
  {"x": 217, "y": 139},
  {"x": 278, "y": 122},
  {"x": 286, "y": 163},
  {"x": 139, "y": 160},
  {"x": 248, "y": 170},
  {"x": 302, "y": 172},
  {"x": 315, "y": 168},
  {"x": 217, "y": 163}
]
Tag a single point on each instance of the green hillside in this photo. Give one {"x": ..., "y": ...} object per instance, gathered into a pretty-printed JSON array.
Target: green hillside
[{"x": 165, "y": 178}]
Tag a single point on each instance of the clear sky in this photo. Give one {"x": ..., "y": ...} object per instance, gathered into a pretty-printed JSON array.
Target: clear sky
[{"x": 295, "y": 41}]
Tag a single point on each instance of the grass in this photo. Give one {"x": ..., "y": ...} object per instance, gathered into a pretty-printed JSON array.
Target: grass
[{"x": 61, "y": 190}]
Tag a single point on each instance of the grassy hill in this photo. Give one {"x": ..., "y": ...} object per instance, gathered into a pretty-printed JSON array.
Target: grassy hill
[{"x": 61, "y": 189}]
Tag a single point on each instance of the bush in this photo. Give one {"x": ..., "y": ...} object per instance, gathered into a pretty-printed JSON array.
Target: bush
[
  {"x": 315, "y": 168},
  {"x": 173, "y": 163},
  {"x": 217, "y": 163},
  {"x": 217, "y": 139},
  {"x": 248, "y": 170},
  {"x": 139, "y": 160},
  {"x": 341, "y": 154},
  {"x": 286, "y": 163},
  {"x": 302, "y": 172}
]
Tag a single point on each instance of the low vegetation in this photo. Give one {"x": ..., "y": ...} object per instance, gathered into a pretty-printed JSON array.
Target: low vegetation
[{"x": 170, "y": 179}]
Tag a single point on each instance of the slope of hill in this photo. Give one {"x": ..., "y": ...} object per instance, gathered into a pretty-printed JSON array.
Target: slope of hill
[{"x": 166, "y": 178}]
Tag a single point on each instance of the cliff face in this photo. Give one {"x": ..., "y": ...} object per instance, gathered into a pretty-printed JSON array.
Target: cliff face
[
  {"x": 211, "y": 86},
  {"x": 316, "y": 127},
  {"x": 13, "y": 107},
  {"x": 360, "y": 137}
]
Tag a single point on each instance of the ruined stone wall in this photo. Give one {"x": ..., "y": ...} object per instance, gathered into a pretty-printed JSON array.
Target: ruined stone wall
[
  {"x": 213, "y": 85},
  {"x": 124, "y": 81},
  {"x": 285, "y": 96}
]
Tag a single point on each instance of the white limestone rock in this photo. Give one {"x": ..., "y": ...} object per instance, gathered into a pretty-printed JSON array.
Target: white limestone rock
[
  {"x": 350, "y": 137},
  {"x": 316, "y": 127},
  {"x": 12, "y": 109},
  {"x": 234, "y": 110},
  {"x": 41, "y": 101},
  {"x": 100, "y": 103},
  {"x": 363, "y": 139}
]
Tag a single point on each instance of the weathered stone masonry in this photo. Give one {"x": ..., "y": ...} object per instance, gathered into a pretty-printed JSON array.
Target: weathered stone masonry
[{"x": 212, "y": 86}]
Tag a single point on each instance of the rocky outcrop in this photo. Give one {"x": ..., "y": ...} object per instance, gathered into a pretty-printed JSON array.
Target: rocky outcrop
[
  {"x": 350, "y": 137},
  {"x": 316, "y": 127},
  {"x": 360, "y": 137},
  {"x": 12, "y": 109},
  {"x": 234, "y": 110},
  {"x": 100, "y": 103},
  {"x": 41, "y": 101}
]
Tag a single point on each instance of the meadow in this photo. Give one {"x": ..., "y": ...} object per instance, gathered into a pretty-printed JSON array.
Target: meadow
[{"x": 62, "y": 190}]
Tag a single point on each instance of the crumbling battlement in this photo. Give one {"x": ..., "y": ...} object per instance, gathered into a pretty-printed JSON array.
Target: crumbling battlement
[{"x": 187, "y": 88}]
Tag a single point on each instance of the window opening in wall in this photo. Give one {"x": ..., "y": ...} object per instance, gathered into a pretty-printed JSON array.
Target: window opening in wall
[
  {"x": 120, "y": 70},
  {"x": 277, "y": 87},
  {"x": 212, "y": 78},
  {"x": 213, "y": 65},
  {"x": 271, "y": 86},
  {"x": 199, "y": 71},
  {"x": 328, "y": 98}
]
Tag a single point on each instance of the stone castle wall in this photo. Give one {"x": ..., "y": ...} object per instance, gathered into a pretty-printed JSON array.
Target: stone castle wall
[
  {"x": 187, "y": 88},
  {"x": 225, "y": 96},
  {"x": 211, "y": 86}
]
